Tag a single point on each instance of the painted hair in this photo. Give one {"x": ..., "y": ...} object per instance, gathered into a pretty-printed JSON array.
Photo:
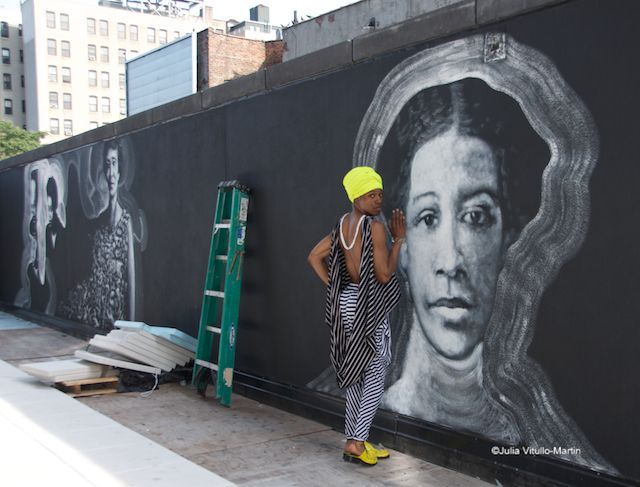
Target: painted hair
[{"x": 472, "y": 109}]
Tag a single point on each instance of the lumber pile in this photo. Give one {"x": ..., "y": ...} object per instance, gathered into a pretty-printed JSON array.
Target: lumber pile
[
  {"x": 132, "y": 345},
  {"x": 138, "y": 346}
]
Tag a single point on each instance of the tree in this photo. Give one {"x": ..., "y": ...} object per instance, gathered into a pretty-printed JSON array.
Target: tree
[{"x": 15, "y": 140}]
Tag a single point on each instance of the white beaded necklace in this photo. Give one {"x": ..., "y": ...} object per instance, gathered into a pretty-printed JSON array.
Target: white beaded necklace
[{"x": 355, "y": 236}]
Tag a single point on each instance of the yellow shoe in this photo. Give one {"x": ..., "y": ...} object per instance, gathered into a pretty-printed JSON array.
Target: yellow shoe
[
  {"x": 378, "y": 452},
  {"x": 367, "y": 457}
]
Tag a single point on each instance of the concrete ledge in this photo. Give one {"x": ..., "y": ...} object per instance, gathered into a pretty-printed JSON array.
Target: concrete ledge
[
  {"x": 233, "y": 89},
  {"x": 16, "y": 161},
  {"x": 316, "y": 62},
  {"x": 91, "y": 136},
  {"x": 441, "y": 22},
  {"x": 134, "y": 122},
  {"x": 177, "y": 108},
  {"x": 493, "y": 10}
]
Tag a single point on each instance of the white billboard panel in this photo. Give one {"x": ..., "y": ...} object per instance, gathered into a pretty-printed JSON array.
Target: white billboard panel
[{"x": 162, "y": 75}]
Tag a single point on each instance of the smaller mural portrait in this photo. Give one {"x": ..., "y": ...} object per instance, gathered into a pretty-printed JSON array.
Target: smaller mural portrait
[
  {"x": 117, "y": 233},
  {"x": 45, "y": 195}
]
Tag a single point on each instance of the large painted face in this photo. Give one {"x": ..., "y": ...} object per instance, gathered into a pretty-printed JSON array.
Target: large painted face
[
  {"x": 455, "y": 245},
  {"x": 112, "y": 171}
]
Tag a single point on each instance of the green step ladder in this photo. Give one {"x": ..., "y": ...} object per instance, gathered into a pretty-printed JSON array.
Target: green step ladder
[{"x": 221, "y": 300}]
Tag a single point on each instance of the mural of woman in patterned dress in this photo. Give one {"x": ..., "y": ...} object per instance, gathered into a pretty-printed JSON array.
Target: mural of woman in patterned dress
[{"x": 108, "y": 293}]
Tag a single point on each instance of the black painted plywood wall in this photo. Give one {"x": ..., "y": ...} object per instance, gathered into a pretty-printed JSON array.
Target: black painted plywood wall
[{"x": 541, "y": 349}]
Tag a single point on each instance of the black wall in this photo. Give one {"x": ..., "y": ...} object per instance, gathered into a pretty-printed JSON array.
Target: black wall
[{"x": 293, "y": 144}]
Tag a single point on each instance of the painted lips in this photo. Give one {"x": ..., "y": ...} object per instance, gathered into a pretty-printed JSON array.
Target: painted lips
[
  {"x": 451, "y": 309},
  {"x": 451, "y": 303}
]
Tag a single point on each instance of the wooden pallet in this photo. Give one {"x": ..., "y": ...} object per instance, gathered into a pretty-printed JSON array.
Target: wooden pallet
[{"x": 89, "y": 387}]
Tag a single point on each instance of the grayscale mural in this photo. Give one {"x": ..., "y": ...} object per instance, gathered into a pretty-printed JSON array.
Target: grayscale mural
[
  {"x": 513, "y": 156},
  {"x": 104, "y": 246},
  {"x": 45, "y": 194},
  {"x": 491, "y": 154}
]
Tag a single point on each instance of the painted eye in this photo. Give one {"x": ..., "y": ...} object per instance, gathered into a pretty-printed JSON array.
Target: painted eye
[
  {"x": 428, "y": 218},
  {"x": 477, "y": 217}
]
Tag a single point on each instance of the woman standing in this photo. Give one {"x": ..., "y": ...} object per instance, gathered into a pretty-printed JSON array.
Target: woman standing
[{"x": 106, "y": 296}]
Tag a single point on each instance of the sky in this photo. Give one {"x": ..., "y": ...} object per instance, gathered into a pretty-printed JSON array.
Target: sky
[{"x": 280, "y": 11}]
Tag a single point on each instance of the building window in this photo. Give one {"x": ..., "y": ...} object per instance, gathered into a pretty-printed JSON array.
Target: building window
[
  {"x": 122, "y": 56},
  {"x": 66, "y": 101},
  {"x": 20, "y": 30},
  {"x": 53, "y": 100},
  {"x": 104, "y": 28},
  {"x": 123, "y": 106},
  {"x": 93, "y": 103},
  {"x": 68, "y": 127},
  {"x": 51, "y": 20},
  {"x": 176, "y": 35},
  {"x": 65, "y": 48},
  {"x": 22, "y": 81},
  {"x": 121, "y": 81},
  {"x": 8, "y": 106},
  {"x": 122, "y": 31},
  {"x": 64, "y": 21},
  {"x": 24, "y": 106},
  {"x": 151, "y": 34},
  {"x": 6, "y": 56},
  {"x": 6, "y": 81},
  {"x": 162, "y": 36},
  {"x": 93, "y": 78},
  {"x": 4, "y": 29},
  {"x": 133, "y": 32},
  {"x": 54, "y": 126},
  {"x": 132, "y": 54},
  {"x": 106, "y": 104},
  {"x": 91, "y": 49},
  {"x": 21, "y": 56},
  {"x": 93, "y": 125},
  {"x": 66, "y": 75},
  {"x": 53, "y": 74},
  {"x": 104, "y": 54},
  {"x": 52, "y": 49},
  {"x": 104, "y": 79},
  {"x": 91, "y": 26}
]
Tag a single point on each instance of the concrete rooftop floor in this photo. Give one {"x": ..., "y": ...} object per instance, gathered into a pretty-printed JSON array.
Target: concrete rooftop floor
[{"x": 249, "y": 444}]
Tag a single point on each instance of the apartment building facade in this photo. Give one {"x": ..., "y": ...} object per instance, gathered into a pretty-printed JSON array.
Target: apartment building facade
[
  {"x": 12, "y": 87},
  {"x": 74, "y": 59}
]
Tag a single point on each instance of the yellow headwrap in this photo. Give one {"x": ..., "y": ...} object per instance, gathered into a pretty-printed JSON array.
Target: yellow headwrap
[{"x": 360, "y": 180}]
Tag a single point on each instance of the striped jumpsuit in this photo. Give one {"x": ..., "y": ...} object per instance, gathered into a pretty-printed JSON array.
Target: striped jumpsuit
[{"x": 360, "y": 333}]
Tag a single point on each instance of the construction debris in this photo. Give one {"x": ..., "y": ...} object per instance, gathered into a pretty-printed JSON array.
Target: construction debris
[{"x": 134, "y": 346}]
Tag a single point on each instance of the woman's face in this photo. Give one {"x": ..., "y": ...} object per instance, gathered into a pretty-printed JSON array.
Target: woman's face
[
  {"x": 454, "y": 245},
  {"x": 112, "y": 171}
]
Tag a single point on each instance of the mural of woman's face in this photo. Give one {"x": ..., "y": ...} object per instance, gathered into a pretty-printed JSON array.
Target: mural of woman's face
[
  {"x": 112, "y": 171},
  {"x": 454, "y": 246}
]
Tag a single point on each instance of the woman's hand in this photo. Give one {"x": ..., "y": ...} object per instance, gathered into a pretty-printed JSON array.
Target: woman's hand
[{"x": 398, "y": 227}]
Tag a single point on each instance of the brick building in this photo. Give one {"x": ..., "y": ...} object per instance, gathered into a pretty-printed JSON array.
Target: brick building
[{"x": 223, "y": 57}]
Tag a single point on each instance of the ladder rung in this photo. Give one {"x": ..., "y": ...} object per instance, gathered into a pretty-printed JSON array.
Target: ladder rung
[
  {"x": 215, "y": 294},
  {"x": 222, "y": 257},
  {"x": 214, "y": 329},
  {"x": 206, "y": 364}
]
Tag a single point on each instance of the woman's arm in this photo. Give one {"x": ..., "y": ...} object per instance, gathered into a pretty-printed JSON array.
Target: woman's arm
[
  {"x": 131, "y": 275},
  {"x": 317, "y": 258},
  {"x": 385, "y": 262}
]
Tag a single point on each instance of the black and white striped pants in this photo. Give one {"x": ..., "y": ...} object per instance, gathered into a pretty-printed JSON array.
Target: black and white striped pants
[{"x": 363, "y": 397}]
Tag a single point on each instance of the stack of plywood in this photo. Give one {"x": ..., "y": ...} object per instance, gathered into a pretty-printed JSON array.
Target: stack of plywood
[
  {"x": 141, "y": 347},
  {"x": 133, "y": 346},
  {"x": 67, "y": 370}
]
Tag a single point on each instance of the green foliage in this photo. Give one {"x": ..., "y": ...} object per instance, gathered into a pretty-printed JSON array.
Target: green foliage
[{"x": 15, "y": 140}]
